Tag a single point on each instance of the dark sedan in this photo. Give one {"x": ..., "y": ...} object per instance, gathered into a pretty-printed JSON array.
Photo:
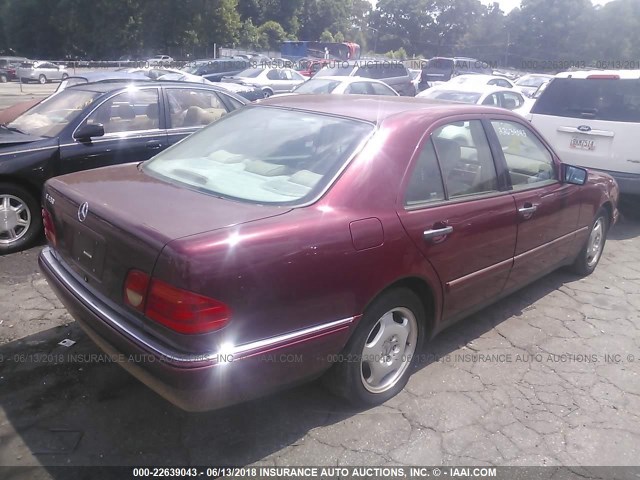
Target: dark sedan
[
  {"x": 88, "y": 126},
  {"x": 312, "y": 235}
]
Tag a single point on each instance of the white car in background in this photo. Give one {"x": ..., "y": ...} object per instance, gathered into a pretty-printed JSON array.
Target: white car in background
[
  {"x": 269, "y": 80},
  {"x": 479, "y": 79},
  {"x": 592, "y": 119},
  {"x": 345, "y": 86},
  {"x": 41, "y": 72},
  {"x": 480, "y": 95},
  {"x": 529, "y": 84},
  {"x": 160, "y": 60}
]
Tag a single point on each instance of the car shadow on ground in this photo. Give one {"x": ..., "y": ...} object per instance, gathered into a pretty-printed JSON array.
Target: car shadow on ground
[{"x": 70, "y": 406}]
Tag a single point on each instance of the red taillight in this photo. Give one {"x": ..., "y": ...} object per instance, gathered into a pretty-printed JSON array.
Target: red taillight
[
  {"x": 180, "y": 310},
  {"x": 49, "y": 227},
  {"x": 184, "y": 311},
  {"x": 135, "y": 289},
  {"x": 603, "y": 77}
]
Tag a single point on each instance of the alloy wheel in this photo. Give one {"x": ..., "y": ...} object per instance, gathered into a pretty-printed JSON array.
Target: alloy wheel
[
  {"x": 388, "y": 350},
  {"x": 15, "y": 219}
]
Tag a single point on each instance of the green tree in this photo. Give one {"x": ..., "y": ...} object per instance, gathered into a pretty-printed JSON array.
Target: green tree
[
  {"x": 326, "y": 36},
  {"x": 272, "y": 34}
]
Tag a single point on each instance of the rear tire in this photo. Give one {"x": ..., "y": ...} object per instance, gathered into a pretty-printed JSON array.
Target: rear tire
[
  {"x": 267, "y": 92},
  {"x": 591, "y": 253},
  {"x": 42, "y": 79},
  {"x": 381, "y": 354},
  {"x": 20, "y": 219}
]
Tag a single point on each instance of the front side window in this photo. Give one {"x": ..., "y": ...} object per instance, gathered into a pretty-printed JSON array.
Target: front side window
[
  {"x": 528, "y": 160},
  {"x": 194, "y": 107},
  {"x": 291, "y": 158},
  {"x": 130, "y": 111},
  {"x": 465, "y": 159},
  {"x": 47, "y": 119}
]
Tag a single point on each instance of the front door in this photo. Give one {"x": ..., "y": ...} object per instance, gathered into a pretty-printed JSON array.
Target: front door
[
  {"x": 548, "y": 210},
  {"x": 134, "y": 131},
  {"x": 465, "y": 226}
]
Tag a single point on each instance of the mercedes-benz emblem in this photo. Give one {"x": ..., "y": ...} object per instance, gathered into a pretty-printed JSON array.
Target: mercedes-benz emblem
[{"x": 83, "y": 211}]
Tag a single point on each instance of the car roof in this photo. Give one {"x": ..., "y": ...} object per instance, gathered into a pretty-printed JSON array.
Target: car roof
[
  {"x": 105, "y": 87},
  {"x": 372, "y": 108},
  {"x": 348, "y": 79},
  {"x": 479, "y": 89},
  {"x": 582, "y": 74}
]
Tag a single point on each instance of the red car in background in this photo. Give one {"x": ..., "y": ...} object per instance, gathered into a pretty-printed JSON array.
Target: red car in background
[
  {"x": 308, "y": 67},
  {"x": 312, "y": 235}
]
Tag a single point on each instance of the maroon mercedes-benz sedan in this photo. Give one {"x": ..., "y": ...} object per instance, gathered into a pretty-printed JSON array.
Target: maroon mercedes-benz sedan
[{"x": 314, "y": 235}]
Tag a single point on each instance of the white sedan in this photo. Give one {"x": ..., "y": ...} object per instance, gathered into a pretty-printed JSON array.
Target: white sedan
[
  {"x": 480, "y": 95},
  {"x": 487, "y": 80},
  {"x": 345, "y": 86}
]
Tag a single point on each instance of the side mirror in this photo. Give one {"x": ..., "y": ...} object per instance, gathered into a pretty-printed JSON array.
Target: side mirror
[
  {"x": 574, "y": 175},
  {"x": 86, "y": 132}
]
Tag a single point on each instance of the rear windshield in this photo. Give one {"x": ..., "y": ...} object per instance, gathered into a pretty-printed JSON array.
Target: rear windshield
[
  {"x": 263, "y": 155},
  {"x": 317, "y": 86},
  {"x": 596, "y": 99},
  {"x": 440, "y": 64},
  {"x": 455, "y": 96},
  {"x": 335, "y": 70},
  {"x": 251, "y": 72}
]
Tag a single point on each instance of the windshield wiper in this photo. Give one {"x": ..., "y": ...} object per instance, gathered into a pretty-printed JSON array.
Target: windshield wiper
[{"x": 12, "y": 129}]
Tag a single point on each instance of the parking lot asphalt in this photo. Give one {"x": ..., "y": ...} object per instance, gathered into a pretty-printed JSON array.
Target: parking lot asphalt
[{"x": 547, "y": 376}]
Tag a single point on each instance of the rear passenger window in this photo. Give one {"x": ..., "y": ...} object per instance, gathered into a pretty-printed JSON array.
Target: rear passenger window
[
  {"x": 194, "y": 108},
  {"x": 465, "y": 159},
  {"x": 528, "y": 160},
  {"x": 425, "y": 184}
]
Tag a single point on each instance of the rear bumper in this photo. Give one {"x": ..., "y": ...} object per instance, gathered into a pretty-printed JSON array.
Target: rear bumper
[{"x": 198, "y": 382}]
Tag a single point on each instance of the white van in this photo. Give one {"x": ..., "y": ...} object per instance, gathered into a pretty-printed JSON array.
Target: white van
[{"x": 592, "y": 119}]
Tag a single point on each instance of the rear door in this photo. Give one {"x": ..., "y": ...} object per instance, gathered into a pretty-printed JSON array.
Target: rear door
[
  {"x": 592, "y": 122},
  {"x": 548, "y": 210},
  {"x": 458, "y": 212},
  {"x": 134, "y": 131},
  {"x": 190, "y": 109}
]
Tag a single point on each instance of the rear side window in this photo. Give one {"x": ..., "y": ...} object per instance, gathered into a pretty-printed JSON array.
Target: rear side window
[
  {"x": 591, "y": 99},
  {"x": 425, "y": 184}
]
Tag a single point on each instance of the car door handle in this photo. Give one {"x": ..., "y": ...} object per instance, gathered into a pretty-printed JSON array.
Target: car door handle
[
  {"x": 527, "y": 210},
  {"x": 438, "y": 232},
  {"x": 154, "y": 145}
]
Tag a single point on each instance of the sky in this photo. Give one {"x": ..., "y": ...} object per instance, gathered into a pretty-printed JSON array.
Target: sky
[{"x": 508, "y": 5}]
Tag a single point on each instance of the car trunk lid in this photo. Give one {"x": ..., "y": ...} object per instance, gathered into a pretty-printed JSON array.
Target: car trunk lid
[{"x": 111, "y": 220}]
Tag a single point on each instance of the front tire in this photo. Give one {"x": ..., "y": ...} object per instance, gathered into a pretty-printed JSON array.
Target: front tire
[
  {"x": 381, "y": 354},
  {"x": 20, "y": 219},
  {"x": 267, "y": 92},
  {"x": 590, "y": 255},
  {"x": 42, "y": 79}
]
